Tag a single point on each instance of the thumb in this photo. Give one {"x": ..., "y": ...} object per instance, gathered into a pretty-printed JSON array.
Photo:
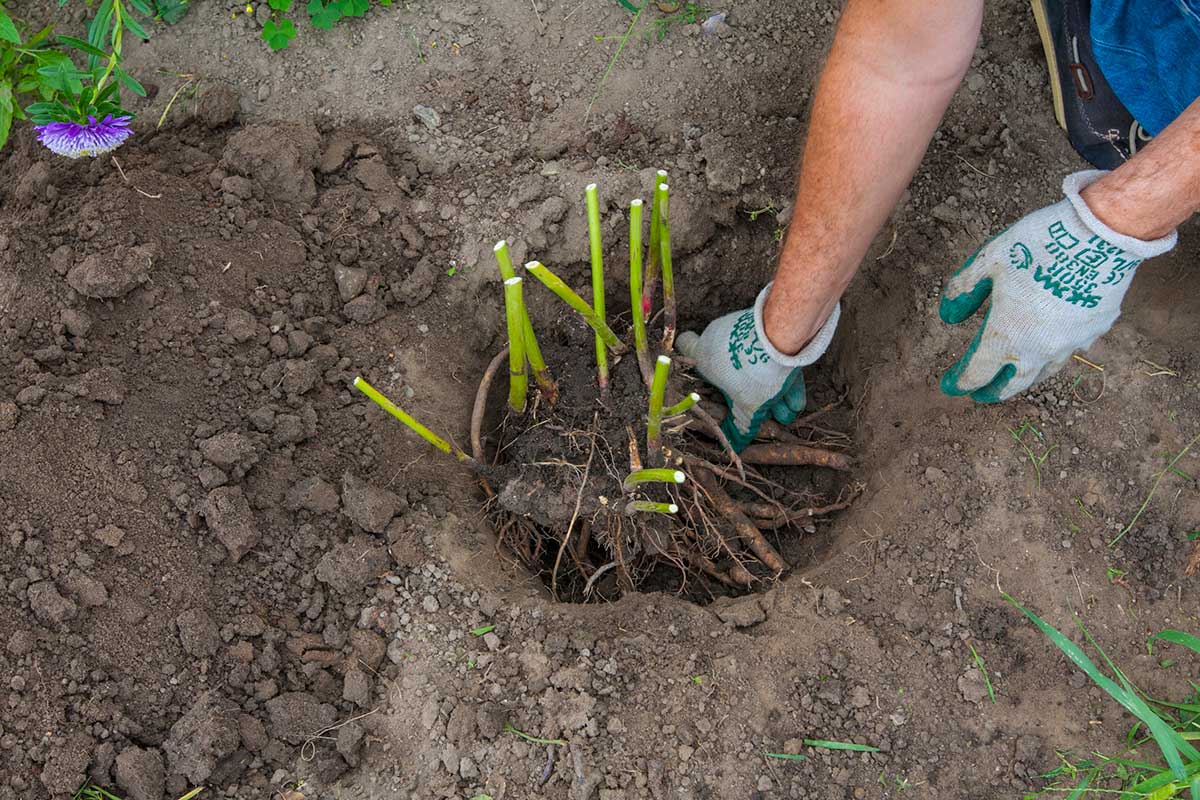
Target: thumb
[
  {"x": 688, "y": 344},
  {"x": 967, "y": 288}
]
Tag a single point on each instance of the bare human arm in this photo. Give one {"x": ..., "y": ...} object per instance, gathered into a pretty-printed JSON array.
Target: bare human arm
[
  {"x": 1152, "y": 193},
  {"x": 892, "y": 70}
]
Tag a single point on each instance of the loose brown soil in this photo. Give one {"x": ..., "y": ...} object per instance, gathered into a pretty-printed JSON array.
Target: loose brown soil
[{"x": 224, "y": 567}]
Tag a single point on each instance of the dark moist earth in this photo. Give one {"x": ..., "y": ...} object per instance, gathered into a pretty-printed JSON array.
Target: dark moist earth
[
  {"x": 223, "y": 568},
  {"x": 557, "y": 472}
]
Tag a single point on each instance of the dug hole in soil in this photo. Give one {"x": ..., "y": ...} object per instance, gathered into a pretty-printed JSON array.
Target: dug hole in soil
[{"x": 224, "y": 567}]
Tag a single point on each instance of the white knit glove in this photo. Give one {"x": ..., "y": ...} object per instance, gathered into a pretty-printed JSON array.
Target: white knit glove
[
  {"x": 734, "y": 355},
  {"x": 1056, "y": 279}
]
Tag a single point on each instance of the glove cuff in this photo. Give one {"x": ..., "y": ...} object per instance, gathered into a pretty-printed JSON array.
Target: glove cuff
[
  {"x": 1075, "y": 183},
  {"x": 811, "y": 352}
]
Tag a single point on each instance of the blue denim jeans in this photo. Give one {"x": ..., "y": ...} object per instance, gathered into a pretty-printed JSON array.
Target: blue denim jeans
[{"x": 1149, "y": 51}]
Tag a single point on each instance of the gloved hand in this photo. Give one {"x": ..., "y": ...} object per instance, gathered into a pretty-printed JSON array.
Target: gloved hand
[
  {"x": 734, "y": 355},
  {"x": 1056, "y": 279}
]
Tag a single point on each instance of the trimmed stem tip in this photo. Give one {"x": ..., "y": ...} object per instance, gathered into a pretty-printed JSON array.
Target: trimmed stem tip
[
  {"x": 660, "y": 179},
  {"x": 568, "y": 296},
  {"x": 682, "y": 406},
  {"x": 641, "y": 476},
  {"x": 514, "y": 309},
  {"x": 646, "y": 506},
  {"x": 416, "y": 427},
  {"x": 635, "y": 289}
]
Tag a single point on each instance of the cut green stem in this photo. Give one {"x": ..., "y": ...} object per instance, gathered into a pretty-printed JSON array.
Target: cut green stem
[
  {"x": 533, "y": 352},
  {"x": 568, "y": 296},
  {"x": 504, "y": 260},
  {"x": 660, "y": 180},
  {"x": 635, "y": 289},
  {"x": 514, "y": 309},
  {"x": 635, "y": 479},
  {"x": 668, "y": 274},
  {"x": 596, "y": 248},
  {"x": 416, "y": 427},
  {"x": 658, "y": 388},
  {"x": 682, "y": 406},
  {"x": 648, "y": 507}
]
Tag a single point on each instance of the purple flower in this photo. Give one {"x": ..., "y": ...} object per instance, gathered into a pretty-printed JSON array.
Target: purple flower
[{"x": 73, "y": 139}]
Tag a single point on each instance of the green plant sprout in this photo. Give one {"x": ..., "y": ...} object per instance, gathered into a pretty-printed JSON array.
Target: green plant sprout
[
  {"x": 638, "y": 477},
  {"x": 652, "y": 259},
  {"x": 825, "y": 744},
  {"x": 568, "y": 296},
  {"x": 278, "y": 31},
  {"x": 786, "y": 756},
  {"x": 649, "y": 507},
  {"x": 1154, "y": 488},
  {"x": 515, "y": 731},
  {"x": 612, "y": 62},
  {"x": 514, "y": 312},
  {"x": 668, "y": 274},
  {"x": 482, "y": 630},
  {"x": 75, "y": 111},
  {"x": 635, "y": 289},
  {"x": 987, "y": 681},
  {"x": 533, "y": 352},
  {"x": 688, "y": 14},
  {"x": 1171, "y": 726},
  {"x": 596, "y": 248},
  {"x": 417, "y": 428},
  {"x": 769, "y": 208},
  {"x": 1018, "y": 435},
  {"x": 90, "y": 791},
  {"x": 682, "y": 406},
  {"x": 658, "y": 388}
]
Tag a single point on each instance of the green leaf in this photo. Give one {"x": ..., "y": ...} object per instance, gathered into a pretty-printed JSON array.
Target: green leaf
[
  {"x": 1175, "y": 637},
  {"x": 130, "y": 83},
  {"x": 61, "y": 75},
  {"x": 135, "y": 27},
  {"x": 353, "y": 8},
  {"x": 828, "y": 745},
  {"x": 171, "y": 11},
  {"x": 1082, "y": 787},
  {"x": 483, "y": 630},
  {"x": 8, "y": 31},
  {"x": 6, "y": 111},
  {"x": 81, "y": 45},
  {"x": 277, "y": 35},
  {"x": 1169, "y": 742},
  {"x": 786, "y": 756},
  {"x": 143, "y": 7},
  {"x": 280, "y": 5},
  {"x": 322, "y": 16},
  {"x": 98, "y": 30}
]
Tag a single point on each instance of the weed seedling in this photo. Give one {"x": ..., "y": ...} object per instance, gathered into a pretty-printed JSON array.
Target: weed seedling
[
  {"x": 987, "y": 681},
  {"x": 1018, "y": 435},
  {"x": 1172, "y": 727},
  {"x": 1154, "y": 488},
  {"x": 485, "y": 629}
]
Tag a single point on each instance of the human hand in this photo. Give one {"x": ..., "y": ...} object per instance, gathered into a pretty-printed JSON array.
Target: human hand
[
  {"x": 734, "y": 355},
  {"x": 1056, "y": 279}
]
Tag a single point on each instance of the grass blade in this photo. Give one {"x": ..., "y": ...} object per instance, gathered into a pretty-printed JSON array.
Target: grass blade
[
  {"x": 1169, "y": 741},
  {"x": 1083, "y": 785},
  {"x": 828, "y": 745},
  {"x": 1175, "y": 637},
  {"x": 786, "y": 756}
]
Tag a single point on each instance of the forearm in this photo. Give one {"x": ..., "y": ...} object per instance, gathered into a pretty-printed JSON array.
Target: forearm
[
  {"x": 1151, "y": 194},
  {"x": 891, "y": 73}
]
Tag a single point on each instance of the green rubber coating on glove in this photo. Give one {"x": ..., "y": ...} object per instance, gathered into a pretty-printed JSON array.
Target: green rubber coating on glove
[
  {"x": 950, "y": 379},
  {"x": 991, "y": 393},
  {"x": 792, "y": 390}
]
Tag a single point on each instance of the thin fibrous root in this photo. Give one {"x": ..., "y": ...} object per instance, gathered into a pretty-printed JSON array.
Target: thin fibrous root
[
  {"x": 766, "y": 516},
  {"x": 786, "y": 454},
  {"x": 746, "y": 529}
]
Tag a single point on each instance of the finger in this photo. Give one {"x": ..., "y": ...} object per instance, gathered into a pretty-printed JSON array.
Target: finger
[
  {"x": 967, "y": 289},
  {"x": 791, "y": 401},
  {"x": 980, "y": 366},
  {"x": 688, "y": 344}
]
